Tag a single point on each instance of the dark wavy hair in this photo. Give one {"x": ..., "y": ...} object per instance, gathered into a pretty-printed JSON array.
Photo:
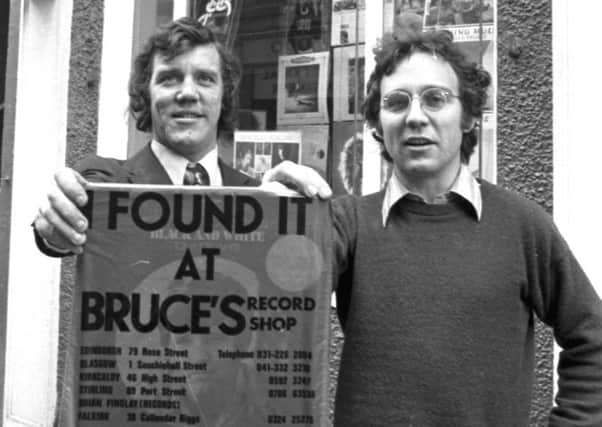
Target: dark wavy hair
[
  {"x": 473, "y": 80},
  {"x": 169, "y": 41}
]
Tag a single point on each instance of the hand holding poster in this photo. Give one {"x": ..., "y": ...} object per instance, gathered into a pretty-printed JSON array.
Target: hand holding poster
[{"x": 206, "y": 308}]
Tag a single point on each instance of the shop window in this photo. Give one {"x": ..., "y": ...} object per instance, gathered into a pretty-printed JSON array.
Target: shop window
[
  {"x": 304, "y": 75},
  {"x": 302, "y": 67},
  {"x": 304, "y": 72}
]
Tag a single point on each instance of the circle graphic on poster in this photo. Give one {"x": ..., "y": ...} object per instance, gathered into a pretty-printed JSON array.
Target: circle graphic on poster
[{"x": 294, "y": 263}]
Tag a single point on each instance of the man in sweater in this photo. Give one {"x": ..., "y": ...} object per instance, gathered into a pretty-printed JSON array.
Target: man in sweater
[{"x": 441, "y": 275}]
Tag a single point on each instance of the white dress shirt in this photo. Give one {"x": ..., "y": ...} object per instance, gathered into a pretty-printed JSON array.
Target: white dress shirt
[
  {"x": 175, "y": 164},
  {"x": 465, "y": 186}
]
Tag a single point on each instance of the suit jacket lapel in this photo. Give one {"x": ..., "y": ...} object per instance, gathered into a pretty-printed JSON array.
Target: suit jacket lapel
[{"x": 145, "y": 168}]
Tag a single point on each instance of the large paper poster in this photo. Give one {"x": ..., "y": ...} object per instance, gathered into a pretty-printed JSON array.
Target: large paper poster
[
  {"x": 302, "y": 89},
  {"x": 206, "y": 308},
  {"x": 348, "y": 18}
]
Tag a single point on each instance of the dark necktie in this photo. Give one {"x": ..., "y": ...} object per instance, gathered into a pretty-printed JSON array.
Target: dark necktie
[{"x": 196, "y": 175}]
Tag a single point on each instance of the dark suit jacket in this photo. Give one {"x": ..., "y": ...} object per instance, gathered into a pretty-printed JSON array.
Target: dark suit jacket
[{"x": 142, "y": 168}]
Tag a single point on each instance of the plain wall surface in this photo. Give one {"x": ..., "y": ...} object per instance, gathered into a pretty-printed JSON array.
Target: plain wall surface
[{"x": 524, "y": 131}]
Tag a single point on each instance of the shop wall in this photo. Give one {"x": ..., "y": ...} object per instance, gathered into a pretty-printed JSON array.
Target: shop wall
[
  {"x": 84, "y": 80},
  {"x": 524, "y": 135},
  {"x": 82, "y": 119}
]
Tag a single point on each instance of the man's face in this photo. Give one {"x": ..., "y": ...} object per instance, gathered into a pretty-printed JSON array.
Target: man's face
[
  {"x": 186, "y": 97},
  {"x": 425, "y": 145}
]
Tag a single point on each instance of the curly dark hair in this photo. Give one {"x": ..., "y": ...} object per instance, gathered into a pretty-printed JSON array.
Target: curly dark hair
[
  {"x": 169, "y": 41},
  {"x": 473, "y": 80}
]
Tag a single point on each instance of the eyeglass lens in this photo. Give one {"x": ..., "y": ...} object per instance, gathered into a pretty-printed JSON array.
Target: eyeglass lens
[{"x": 432, "y": 99}]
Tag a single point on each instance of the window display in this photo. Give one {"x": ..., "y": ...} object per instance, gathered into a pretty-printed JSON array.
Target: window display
[{"x": 304, "y": 69}]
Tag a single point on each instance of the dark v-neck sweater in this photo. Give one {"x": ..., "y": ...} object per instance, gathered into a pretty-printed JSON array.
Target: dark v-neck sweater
[{"x": 439, "y": 327}]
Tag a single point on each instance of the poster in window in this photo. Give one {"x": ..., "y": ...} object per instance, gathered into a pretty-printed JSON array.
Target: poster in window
[
  {"x": 302, "y": 88},
  {"x": 305, "y": 24},
  {"x": 204, "y": 307},
  {"x": 348, "y": 22},
  {"x": 460, "y": 13},
  {"x": 315, "y": 146},
  {"x": 349, "y": 70},
  {"x": 255, "y": 152}
]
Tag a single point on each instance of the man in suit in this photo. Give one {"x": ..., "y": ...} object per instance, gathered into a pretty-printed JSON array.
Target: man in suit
[{"x": 183, "y": 90}]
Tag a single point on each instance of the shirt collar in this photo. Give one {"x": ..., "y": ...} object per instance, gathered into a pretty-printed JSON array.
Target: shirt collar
[
  {"x": 465, "y": 186},
  {"x": 175, "y": 164}
]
